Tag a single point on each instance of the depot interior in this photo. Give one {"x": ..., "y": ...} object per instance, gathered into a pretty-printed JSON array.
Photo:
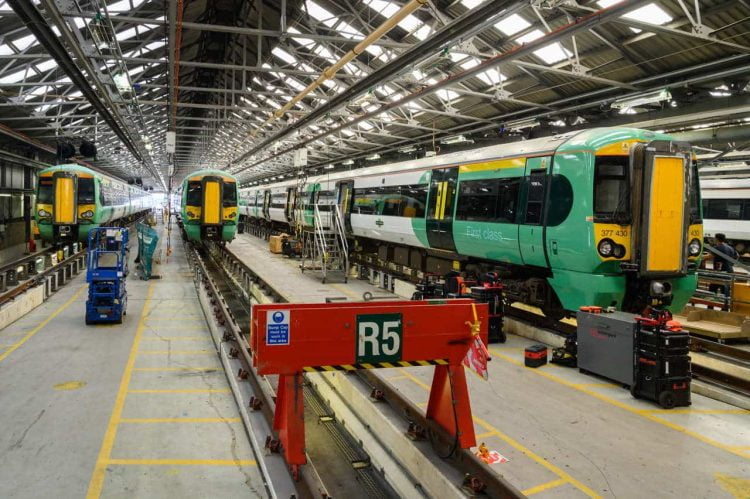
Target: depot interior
[{"x": 385, "y": 248}]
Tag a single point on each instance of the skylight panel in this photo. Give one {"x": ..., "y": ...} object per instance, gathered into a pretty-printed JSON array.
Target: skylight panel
[
  {"x": 14, "y": 77},
  {"x": 650, "y": 13},
  {"x": 6, "y": 49},
  {"x": 423, "y": 32},
  {"x": 124, "y": 5},
  {"x": 552, "y": 53},
  {"x": 324, "y": 52},
  {"x": 46, "y": 66},
  {"x": 512, "y": 25},
  {"x": 447, "y": 94},
  {"x": 24, "y": 42},
  {"x": 283, "y": 55},
  {"x": 470, "y": 4},
  {"x": 126, "y": 34},
  {"x": 365, "y": 126},
  {"x": 317, "y": 12},
  {"x": 492, "y": 77},
  {"x": 530, "y": 36}
]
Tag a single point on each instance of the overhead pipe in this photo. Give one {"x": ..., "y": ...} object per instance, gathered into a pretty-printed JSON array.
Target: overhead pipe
[
  {"x": 521, "y": 51},
  {"x": 32, "y": 18},
  {"x": 463, "y": 26},
  {"x": 331, "y": 71}
]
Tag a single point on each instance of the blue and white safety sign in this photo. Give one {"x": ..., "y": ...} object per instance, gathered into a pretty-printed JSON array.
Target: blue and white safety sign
[{"x": 277, "y": 327}]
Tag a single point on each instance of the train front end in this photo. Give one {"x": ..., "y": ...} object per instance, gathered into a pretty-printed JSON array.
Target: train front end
[
  {"x": 65, "y": 204},
  {"x": 643, "y": 222},
  {"x": 210, "y": 206}
]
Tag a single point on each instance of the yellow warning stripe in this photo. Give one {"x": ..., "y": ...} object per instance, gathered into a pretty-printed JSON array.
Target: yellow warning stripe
[{"x": 376, "y": 365}]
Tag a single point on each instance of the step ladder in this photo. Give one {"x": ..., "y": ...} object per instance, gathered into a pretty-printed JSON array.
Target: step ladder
[{"x": 324, "y": 245}]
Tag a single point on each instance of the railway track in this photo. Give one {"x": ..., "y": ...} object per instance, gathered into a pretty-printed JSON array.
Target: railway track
[{"x": 228, "y": 281}]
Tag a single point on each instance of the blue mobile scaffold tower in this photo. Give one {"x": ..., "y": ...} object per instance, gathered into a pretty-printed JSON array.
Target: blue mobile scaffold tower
[{"x": 106, "y": 272}]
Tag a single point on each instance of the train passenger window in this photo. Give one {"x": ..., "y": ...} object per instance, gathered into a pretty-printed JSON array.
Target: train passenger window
[
  {"x": 477, "y": 200},
  {"x": 229, "y": 194},
  {"x": 611, "y": 188},
  {"x": 194, "y": 194},
  {"x": 535, "y": 197},
  {"x": 365, "y": 201},
  {"x": 86, "y": 190},
  {"x": 278, "y": 200},
  {"x": 507, "y": 200},
  {"x": 45, "y": 192},
  {"x": 414, "y": 200}
]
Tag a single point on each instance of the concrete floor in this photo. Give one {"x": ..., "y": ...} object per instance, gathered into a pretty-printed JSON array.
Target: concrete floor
[
  {"x": 566, "y": 434},
  {"x": 141, "y": 409}
]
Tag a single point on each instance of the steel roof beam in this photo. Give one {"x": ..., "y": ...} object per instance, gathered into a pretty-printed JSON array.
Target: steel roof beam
[{"x": 34, "y": 21}]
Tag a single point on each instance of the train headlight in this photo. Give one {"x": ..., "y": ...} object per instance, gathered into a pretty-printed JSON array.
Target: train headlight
[
  {"x": 44, "y": 214},
  {"x": 694, "y": 248},
  {"x": 606, "y": 248},
  {"x": 87, "y": 214}
]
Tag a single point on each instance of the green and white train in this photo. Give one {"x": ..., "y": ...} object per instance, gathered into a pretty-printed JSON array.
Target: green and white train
[
  {"x": 607, "y": 217},
  {"x": 72, "y": 199}
]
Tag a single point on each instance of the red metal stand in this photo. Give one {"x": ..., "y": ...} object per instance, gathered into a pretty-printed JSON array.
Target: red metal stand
[
  {"x": 289, "y": 339},
  {"x": 449, "y": 404},
  {"x": 289, "y": 420}
]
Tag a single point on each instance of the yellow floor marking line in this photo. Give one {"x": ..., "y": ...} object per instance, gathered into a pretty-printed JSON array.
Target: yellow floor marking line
[
  {"x": 485, "y": 434},
  {"x": 184, "y": 390},
  {"x": 543, "y": 487},
  {"x": 168, "y": 369},
  {"x": 100, "y": 469},
  {"x": 513, "y": 443},
  {"x": 597, "y": 385},
  {"x": 176, "y": 338},
  {"x": 641, "y": 412},
  {"x": 698, "y": 411},
  {"x": 179, "y": 420},
  {"x": 177, "y": 318},
  {"x": 46, "y": 321},
  {"x": 736, "y": 486},
  {"x": 183, "y": 462},
  {"x": 70, "y": 385},
  {"x": 176, "y": 352},
  {"x": 346, "y": 291}
]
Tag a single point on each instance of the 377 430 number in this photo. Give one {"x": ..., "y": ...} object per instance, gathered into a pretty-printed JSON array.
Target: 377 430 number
[{"x": 612, "y": 232}]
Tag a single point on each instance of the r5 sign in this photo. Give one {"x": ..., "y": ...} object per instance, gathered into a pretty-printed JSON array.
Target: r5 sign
[{"x": 379, "y": 338}]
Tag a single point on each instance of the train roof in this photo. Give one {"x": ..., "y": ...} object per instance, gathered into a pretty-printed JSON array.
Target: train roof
[
  {"x": 210, "y": 172},
  {"x": 82, "y": 169},
  {"x": 591, "y": 139}
]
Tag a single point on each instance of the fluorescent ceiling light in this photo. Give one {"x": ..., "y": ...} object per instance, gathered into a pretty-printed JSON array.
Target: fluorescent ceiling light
[
  {"x": 530, "y": 36},
  {"x": 374, "y": 157},
  {"x": 512, "y": 25},
  {"x": 646, "y": 98}
]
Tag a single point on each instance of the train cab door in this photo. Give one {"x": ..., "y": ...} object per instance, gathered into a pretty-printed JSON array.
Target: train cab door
[
  {"x": 344, "y": 198},
  {"x": 531, "y": 211},
  {"x": 440, "y": 208},
  {"x": 291, "y": 198},
  {"x": 267, "y": 204}
]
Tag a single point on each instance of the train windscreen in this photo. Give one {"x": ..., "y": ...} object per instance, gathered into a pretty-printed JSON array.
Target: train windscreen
[
  {"x": 45, "y": 193},
  {"x": 611, "y": 189},
  {"x": 86, "y": 191},
  {"x": 229, "y": 194},
  {"x": 194, "y": 194}
]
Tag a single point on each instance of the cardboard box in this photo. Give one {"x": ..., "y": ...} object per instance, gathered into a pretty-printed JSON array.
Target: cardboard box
[{"x": 274, "y": 244}]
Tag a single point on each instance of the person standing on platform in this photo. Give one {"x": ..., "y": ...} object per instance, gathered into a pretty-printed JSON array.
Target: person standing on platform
[{"x": 721, "y": 245}]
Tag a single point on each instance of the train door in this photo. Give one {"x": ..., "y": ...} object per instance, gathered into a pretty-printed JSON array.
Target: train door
[
  {"x": 267, "y": 204},
  {"x": 531, "y": 212},
  {"x": 440, "y": 208},
  {"x": 344, "y": 198},
  {"x": 291, "y": 198}
]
